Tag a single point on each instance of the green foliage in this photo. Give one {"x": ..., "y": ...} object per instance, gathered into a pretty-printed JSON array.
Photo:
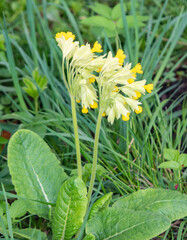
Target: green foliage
[
  {"x": 123, "y": 224},
  {"x": 89, "y": 237},
  {"x": 29, "y": 155},
  {"x": 100, "y": 204},
  {"x": 70, "y": 209},
  {"x": 141, "y": 215},
  {"x": 171, "y": 204},
  {"x": 87, "y": 170},
  {"x": 110, "y": 19},
  {"x": 29, "y": 233},
  {"x": 175, "y": 161},
  {"x": 18, "y": 209},
  {"x": 32, "y": 85}
]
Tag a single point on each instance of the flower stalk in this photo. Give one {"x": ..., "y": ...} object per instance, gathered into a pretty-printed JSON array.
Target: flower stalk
[
  {"x": 77, "y": 144},
  {"x": 94, "y": 164}
]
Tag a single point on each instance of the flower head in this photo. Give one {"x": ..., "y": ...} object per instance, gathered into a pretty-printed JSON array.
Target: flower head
[{"x": 115, "y": 90}]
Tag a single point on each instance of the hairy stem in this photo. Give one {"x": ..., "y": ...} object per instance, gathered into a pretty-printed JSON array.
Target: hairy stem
[
  {"x": 74, "y": 116},
  {"x": 94, "y": 164}
]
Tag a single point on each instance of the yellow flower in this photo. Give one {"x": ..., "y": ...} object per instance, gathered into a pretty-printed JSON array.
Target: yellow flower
[
  {"x": 138, "y": 95},
  {"x": 139, "y": 110},
  {"x": 130, "y": 80},
  {"x": 66, "y": 35},
  {"x": 149, "y": 88},
  {"x": 120, "y": 54},
  {"x": 99, "y": 70},
  {"x": 97, "y": 47},
  {"x": 91, "y": 80},
  {"x": 78, "y": 101},
  {"x": 104, "y": 114},
  {"x": 137, "y": 69},
  {"x": 116, "y": 89},
  {"x": 94, "y": 105},
  {"x": 84, "y": 110},
  {"x": 126, "y": 118}
]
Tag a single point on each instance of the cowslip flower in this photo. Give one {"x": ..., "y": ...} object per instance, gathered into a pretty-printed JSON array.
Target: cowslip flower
[{"x": 101, "y": 81}]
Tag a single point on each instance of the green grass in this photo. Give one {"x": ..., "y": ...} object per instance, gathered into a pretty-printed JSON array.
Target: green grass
[{"x": 132, "y": 151}]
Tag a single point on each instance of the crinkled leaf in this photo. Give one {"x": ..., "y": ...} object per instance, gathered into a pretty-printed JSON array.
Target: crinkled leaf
[
  {"x": 102, "y": 9},
  {"x": 183, "y": 160},
  {"x": 70, "y": 209},
  {"x": 89, "y": 237},
  {"x": 169, "y": 164},
  {"x": 170, "y": 203},
  {"x": 18, "y": 208},
  {"x": 100, "y": 204},
  {"x": 171, "y": 154},
  {"x": 29, "y": 233},
  {"x": 118, "y": 223},
  {"x": 35, "y": 171},
  {"x": 99, "y": 21}
]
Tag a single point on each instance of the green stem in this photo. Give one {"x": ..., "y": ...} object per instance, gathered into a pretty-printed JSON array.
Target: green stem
[
  {"x": 74, "y": 116},
  {"x": 94, "y": 164},
  {"x": 36, "y": 104}
]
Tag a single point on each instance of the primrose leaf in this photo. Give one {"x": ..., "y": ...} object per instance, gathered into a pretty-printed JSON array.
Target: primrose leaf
[
  {"x": 100, "y": 204},
  {"x": 116, "y": 223},
  {"x": 18, "y": 209},
  {"x": 35, "y": 171},
  {"x": 169, "y": 164},
  {"x": 89, "y": 237},
  {"x": 171, "y": 204},
  {"x": 99, "y": 21},
  {"x": 70, "y": 209},
  {"x": 102, "y": 9},
  {"x": 29, "y": 233},
  {"x": 183, "y": 160},
  {"x": 171, "y": 154}
]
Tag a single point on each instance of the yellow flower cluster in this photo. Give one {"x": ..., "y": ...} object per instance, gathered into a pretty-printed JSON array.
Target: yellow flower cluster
[{"x": 115, "y": 90}]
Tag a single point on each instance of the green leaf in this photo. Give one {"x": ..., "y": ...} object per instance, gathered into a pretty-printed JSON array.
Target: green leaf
[
  {"x": 18, "y": 209},
  {"x": 3, "y": 140},
  {"x": 99, "y": 21},
  {"x": 116, "y": 11},
  {"x": 40, "y": 80},
  {"x": 171, "y": 154},
  {"x": 100, "y": 204},
  {"x": 117, "y": 223},
  {"x": 70, "y": 209},
  {"x": 183, "y": 160},
  {"x": 30, "y": 87},
  {"x": 169, "y": 164},
  {"x": 29, "y": 233},
  {"x": 102, "y": 9},
  {"x": 89, "y": 237},
  {"x": 170, "y": 203},
  {"x": 35, "y": 171},
  {"x": 87, "y": 170},
  {"x": 130, "y": 21}
]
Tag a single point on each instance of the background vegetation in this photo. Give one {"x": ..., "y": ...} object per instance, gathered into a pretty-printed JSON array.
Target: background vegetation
[{"x": 150, "y": 32}]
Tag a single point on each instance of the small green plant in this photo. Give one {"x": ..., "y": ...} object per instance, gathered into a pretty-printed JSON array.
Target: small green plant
[
  {"x": 109, "y": 20},
  {"x": 94, "y": 81},
  {"x": 176, "y": 162},
  {"x": 35, "y": 85}
]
